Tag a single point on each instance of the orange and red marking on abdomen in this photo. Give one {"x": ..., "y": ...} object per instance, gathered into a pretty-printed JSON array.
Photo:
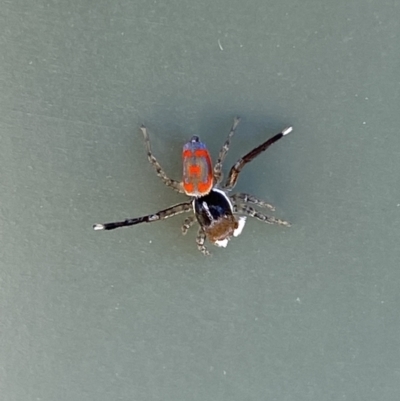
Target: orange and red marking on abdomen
[{"x": 197, "y": 168}]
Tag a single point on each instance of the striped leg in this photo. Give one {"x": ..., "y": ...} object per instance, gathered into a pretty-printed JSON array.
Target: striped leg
[
  {"x": 242, "y": 198},
  {"x": 200, "y": 240},
  {"x": 249, "y": 211},
  {"x": 188, "y": 222},
  {"x": 177, "y": 186},
  {"x": 222, "y": 153}
]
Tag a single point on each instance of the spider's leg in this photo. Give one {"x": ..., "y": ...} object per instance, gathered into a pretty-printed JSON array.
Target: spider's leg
[
  {"x": 161, "y": 215},
  {"x": 237, "y": 167},
  {"x": 242, "y": 198},
  {"x": 249, "y": 211},
  {"x": 222, "y": 153},
  {"x": 200, "y": 240},
  {"x": 188, "y": 222},
  {"x": 177, "y": 186}
]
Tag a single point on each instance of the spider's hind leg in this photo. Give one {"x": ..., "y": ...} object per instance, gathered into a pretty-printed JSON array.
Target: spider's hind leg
[
  {"x": 169, "y": 182},
  {"x": 223, "y": 152}
]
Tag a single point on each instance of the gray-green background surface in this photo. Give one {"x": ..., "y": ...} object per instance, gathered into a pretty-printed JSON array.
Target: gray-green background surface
[{"x": 306, "y": 313}]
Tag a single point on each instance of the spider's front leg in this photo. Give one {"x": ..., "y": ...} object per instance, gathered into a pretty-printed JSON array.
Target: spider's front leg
[
  {"x": 237, "y": 167},
  {"x": 242, "y": 198},
  {"x": 223, "y": 152},
  {"x": 249, "y": 211},
  {"x": 200, "y": 240},
  {"x": 187, "y": 223},
  {"x": 177, "y": 186},
  {"x": 161, "y": 215}
]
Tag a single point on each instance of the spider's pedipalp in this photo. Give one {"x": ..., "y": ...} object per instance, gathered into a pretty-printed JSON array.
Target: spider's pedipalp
[
  {"x": 169, "y": 182},
  {"x": 241, "y": 223},
  {"x": 222, "y": 243}
]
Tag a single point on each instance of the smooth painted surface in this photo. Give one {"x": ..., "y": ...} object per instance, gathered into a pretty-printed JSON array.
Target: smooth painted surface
[{"x": 306, "y": 313}]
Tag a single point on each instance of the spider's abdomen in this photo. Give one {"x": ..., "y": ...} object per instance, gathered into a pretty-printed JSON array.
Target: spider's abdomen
[
  {"x": 197, "y": 168},
  {"x": 214, "y": 212}
]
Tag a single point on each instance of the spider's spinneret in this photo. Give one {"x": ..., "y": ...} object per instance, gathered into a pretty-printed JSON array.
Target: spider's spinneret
[{"x": 197, "y": 168}]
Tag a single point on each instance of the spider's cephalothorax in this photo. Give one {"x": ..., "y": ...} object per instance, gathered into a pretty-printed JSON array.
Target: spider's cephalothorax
[
  {"x": 220, "y": 215},
  {"x": 214, "y": 212}
]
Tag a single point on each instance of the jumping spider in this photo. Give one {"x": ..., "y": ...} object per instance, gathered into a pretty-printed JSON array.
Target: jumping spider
[{"x": 219, "y": 214}]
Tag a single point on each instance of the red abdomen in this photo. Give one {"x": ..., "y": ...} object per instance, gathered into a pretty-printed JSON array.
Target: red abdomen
[{"x": 197, "y": 168}]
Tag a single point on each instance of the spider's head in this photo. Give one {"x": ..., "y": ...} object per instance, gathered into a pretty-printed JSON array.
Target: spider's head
[{"x": 214, "y": 212}]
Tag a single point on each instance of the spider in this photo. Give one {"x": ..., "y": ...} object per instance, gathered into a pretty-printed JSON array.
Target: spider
[{"x": 219, "y": 214}]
